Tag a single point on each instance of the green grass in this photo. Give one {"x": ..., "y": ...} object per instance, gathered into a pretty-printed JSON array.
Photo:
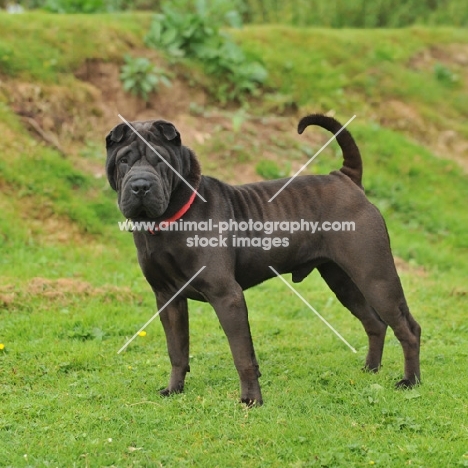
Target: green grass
[
  {"x": 55, "y": 44},
  {"x": 68, "y": 399},
  {"x": 358, "y": 13},
  {"x": 355, "y": 70},
  {"x": 66, "y": 392}
]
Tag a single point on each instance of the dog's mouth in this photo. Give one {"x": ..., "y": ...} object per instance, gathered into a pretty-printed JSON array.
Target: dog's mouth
[
  {"x": 144, "y": 214},
  {"x": 141, "y": 216}
]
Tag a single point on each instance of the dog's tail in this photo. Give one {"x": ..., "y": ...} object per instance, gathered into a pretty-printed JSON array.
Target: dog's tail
[{"x": 352, "y": 162}]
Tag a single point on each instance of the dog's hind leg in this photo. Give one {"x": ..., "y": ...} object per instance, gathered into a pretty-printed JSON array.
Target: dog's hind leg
[
  {"x": 376, "y": 277},
  {"x": 230, "y": 307},
  {"x": 351, "y": 297},
  {"x": 175, "y": 322},
  {"x": 389, "y": 302}
]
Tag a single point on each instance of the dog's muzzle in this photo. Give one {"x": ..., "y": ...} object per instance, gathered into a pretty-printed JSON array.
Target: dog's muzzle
[
  {"x": 140, "y": 187},
  {"x": 143, "y": 196}
]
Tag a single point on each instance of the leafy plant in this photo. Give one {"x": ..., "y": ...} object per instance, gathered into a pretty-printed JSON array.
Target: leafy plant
[
  {"x": 193, "y": 31},
  {"x": 183, "y": 26},
  {"x": 444, "y": 75},
  {"x": 140, "y": 77},
  {"x": 82, "y": 333},
  {"x": 238, "y": 120},
  {"x": 270, "y": 170}
]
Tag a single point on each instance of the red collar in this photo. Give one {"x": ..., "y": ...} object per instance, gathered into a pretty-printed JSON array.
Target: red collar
[{"x": 177, "y": 215}]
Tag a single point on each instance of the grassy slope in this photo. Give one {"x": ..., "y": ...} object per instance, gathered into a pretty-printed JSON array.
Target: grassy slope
[
  {"x": 67, "y": 398},
  {"x": 358, "y": 13},
  {"x": 51, "y": 45},
  {"x": 353, "y": 72}
]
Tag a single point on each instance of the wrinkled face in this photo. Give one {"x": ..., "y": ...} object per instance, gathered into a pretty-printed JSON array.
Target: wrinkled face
[{"x": 143, "y": 181}]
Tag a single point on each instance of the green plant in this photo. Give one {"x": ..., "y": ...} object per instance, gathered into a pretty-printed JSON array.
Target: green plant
[
  {"x": 237, "y": 120},
  {"x": 444, "y": 75},
  {"x": 270, "y": 169},
  {"x": 140, "y": 77},
  {"x": 238, "y": 75},
  {"x": 193, "y": 31},
  {"x": 183, "y": 26}
]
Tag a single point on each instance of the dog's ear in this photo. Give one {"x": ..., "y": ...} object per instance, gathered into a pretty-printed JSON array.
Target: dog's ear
[
  {"x": 110, "y": 169},
  {"x": 116, "y": 134},
  {"x": 169, "y": 132}
]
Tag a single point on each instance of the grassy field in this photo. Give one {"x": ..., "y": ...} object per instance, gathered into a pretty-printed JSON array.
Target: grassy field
[
  {"x": 71, "y": 291},
  {"x": 358, "y": 13}
]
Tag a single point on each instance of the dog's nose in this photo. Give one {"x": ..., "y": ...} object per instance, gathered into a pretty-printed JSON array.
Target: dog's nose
[{"x": 140, "y": 187}]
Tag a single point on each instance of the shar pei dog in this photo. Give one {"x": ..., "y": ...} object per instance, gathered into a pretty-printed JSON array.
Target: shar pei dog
[{"x": 159, "y": 185}]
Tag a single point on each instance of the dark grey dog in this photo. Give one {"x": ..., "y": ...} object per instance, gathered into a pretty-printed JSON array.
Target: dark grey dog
[{"x": 357, "y": 265}]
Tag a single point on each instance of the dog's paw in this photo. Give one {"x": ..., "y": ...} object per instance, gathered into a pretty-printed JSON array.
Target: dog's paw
[
  {"x": 251, "y": 403},
  {"x": 168, "y": 392},
  {"x": 371, "y": 369},
  {"x": 406, "y": 383}
]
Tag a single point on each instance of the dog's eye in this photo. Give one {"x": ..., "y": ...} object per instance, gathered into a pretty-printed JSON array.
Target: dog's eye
[{"x": 123, "y": 161}]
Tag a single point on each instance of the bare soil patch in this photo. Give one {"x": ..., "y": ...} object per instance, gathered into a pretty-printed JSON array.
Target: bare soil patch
[
  {"x": 404, "y": 267},
  {"x": 58, "y": 289},
  {"x": 449, "y": 54}
]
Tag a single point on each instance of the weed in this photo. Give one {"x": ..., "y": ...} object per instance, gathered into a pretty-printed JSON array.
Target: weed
[
  {"x": 194, "y": 32},
  {"x": 271, "y": 170},
  {"x": 237, "y": 120},
  {"x": 82, "y": 333},
  {"x": 444, "y": 75},
  {"x": 140, "y": 77}
]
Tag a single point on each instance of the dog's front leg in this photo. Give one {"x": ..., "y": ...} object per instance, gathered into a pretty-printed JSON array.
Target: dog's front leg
[
  {"x": 232, "y": 313},
  {"x": 176, "y": 327}
]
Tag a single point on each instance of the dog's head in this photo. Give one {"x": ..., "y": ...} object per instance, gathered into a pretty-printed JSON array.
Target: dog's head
[{"x": 139, "y": 169}]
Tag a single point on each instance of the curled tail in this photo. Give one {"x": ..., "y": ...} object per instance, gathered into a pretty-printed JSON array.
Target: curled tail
[{"x": 352, "y": 162}]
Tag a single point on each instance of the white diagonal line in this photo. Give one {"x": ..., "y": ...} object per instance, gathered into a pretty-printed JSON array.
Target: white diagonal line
[
  {"x": 159, "y": 154},
  {"x": 312, "y": 309},
  {"x": 312, "y": 158},
  {"x": 161, "y": 309}
]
